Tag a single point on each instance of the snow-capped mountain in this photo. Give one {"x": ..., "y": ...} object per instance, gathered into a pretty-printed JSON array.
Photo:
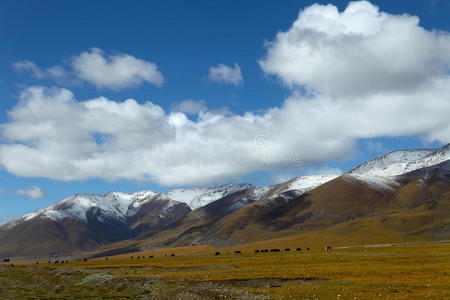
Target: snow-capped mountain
[
  {"x": 85, "y": 222},
  {"x": 110, "y": 205},
  {"x": 121, "y": 206},
  {"x": 382, "y": 172},
  {"x": 308, "y": 182},
  {"x": 391, "y": 164},
  {"x": 199, "y": 197},
  {"x": 436, "y": 157},
  {"x": 401, "y": 162}
]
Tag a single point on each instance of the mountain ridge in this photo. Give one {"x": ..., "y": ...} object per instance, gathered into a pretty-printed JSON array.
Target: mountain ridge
[{"x": 232, "y": 213}]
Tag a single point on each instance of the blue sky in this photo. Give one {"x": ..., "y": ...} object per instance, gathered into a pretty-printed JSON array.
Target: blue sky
[{"x": 184, "y": 41}]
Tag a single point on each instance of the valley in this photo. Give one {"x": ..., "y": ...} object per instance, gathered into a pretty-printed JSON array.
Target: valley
[
  {"x": 379, "y": 231},
  {"x": 394, "y": 272}
]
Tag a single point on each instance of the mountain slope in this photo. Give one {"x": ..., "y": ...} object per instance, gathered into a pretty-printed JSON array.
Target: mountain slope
[
  {"x": 199, "y": 197},
  {"x": 84, "y": 222},
  {"x": 401, "y": 162},
  {"x": 407, "y": 184},
  {"x": 338, "y": 203}
]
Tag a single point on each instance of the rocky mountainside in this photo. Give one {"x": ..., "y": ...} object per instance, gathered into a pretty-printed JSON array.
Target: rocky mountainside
[
  {"x": 234, "y": 213},
  {"x": 414, "y": 205},
  {"x": 85, "y": 222}
]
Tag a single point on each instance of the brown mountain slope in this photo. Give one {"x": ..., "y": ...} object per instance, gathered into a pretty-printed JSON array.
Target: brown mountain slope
[
  {"x": 347, "y": 208},
  {"x": 424, "y": 223},
  {"x": 45, "y": 236}
]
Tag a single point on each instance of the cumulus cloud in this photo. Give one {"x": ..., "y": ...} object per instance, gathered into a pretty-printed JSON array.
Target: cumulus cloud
[
  {"x": 224, "y": 73},
  {"x": 27, "y": 66},
  {"x": 51, "y": 134},
  {"x": 114, "y": 72},
  {"x": 190, "y": 107},
  {"x": 33, "y": 192},
  {"x": 358, "y": 51}
]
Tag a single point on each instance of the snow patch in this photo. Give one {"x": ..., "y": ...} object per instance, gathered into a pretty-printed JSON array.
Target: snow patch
[
  {"x": 401, "y": 162},
  {"x": 260, "y": 191},
  {"x": 199, "y": 197},
  {"x": 375, "y": 182},
  {"x": 308, "y": 182}
]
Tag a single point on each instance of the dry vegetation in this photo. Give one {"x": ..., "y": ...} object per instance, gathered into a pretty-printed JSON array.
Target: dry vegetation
[{"x": 400, "y": 272}]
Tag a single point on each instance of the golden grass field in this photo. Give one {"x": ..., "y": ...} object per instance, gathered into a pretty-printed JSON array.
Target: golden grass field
[{"x": 396, "y": 272}]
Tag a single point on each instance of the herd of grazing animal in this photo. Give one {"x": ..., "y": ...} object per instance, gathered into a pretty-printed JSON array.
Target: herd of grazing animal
[
  {"x": 143, "y": 256},
  {"x": 327, "y": 249}
]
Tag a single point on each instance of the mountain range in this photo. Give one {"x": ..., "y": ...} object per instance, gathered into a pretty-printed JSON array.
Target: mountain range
[{"x": 399, "y": 195}]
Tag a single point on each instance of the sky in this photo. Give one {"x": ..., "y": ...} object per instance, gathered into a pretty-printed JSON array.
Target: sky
[{"x": 138, "y": 95}]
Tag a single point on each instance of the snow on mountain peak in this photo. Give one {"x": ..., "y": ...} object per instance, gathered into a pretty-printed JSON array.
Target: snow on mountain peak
[
  {"x": 401, "y": 162},
  {"x": 380, "y": 172},
  {"x": 435, "y": 157},
  {"x": 110, "y": 204},
  {"x": 308, "y": 182},
  {"x": 199, "y": 197},
  {"x": 391, "y": 164},
  {"x": 116, "y": 205},
  {"x": 119, "y": 205}
]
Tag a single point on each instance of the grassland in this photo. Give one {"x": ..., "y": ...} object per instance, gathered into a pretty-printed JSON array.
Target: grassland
[{"x": 398, "y": 272}]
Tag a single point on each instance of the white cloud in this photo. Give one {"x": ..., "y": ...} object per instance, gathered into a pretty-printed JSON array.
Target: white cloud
[
  {"x": 224, "y": 73},
  {"x": 190, "y": 107},
  {"x": 51, "y": 134},
  {"x": 357, "y": 52},
  {"x": 115, "y": 72},
  {"x": 29, "y": 66},
  {"x": 37, "y": 72},
  {"x": 33, "y": 192},
  {"x": 1, "y": 190}
]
